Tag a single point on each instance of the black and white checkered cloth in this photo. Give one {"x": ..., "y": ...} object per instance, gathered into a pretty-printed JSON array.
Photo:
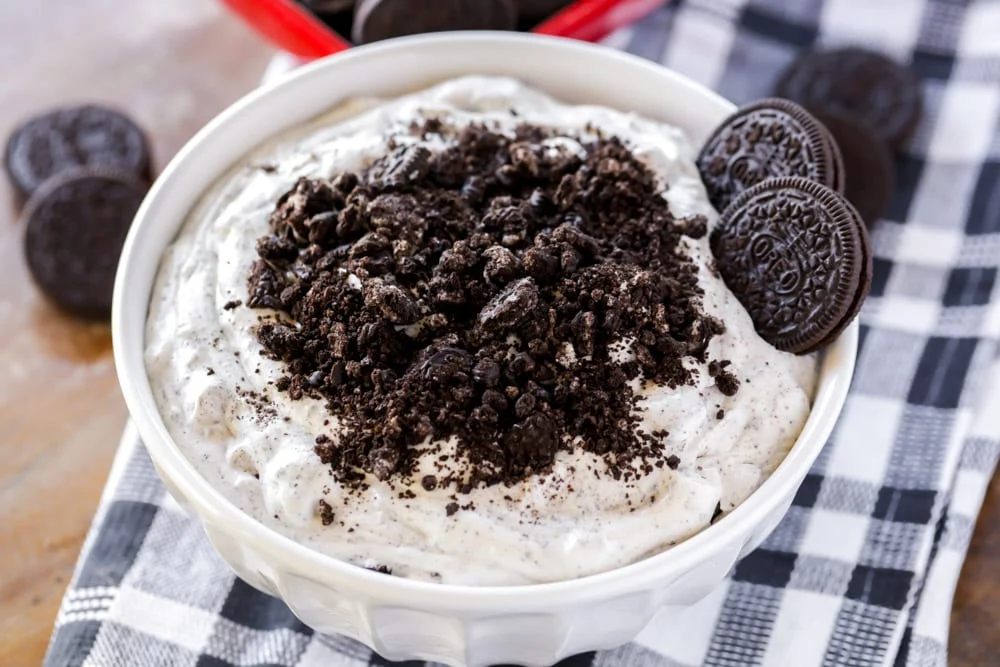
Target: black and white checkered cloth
[{"x": 863, "y": 568}]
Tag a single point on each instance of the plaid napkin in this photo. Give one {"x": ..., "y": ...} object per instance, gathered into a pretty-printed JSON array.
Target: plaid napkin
[{"x": 863, "y": 568}]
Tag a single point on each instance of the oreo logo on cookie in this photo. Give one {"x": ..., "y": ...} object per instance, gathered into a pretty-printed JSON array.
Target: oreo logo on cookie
[{"x": 795, "y": 253}]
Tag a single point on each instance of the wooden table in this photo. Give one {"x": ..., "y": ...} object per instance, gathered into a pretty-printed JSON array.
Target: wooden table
[{"x": 172, "y": 65}]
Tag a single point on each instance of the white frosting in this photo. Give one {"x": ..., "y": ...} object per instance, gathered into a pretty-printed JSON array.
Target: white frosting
[{"x": 535, "y": 531}]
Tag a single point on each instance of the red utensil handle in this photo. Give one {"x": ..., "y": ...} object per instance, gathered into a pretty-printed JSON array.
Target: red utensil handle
[
  {"x": 286, "y": 23},
  {"x": 295, "y": 29}
]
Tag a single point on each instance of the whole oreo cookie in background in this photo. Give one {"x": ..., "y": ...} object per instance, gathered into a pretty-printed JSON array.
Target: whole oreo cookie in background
[
  {"x": 795, "y": 253},
  {"x": 337, "y": 15},
  {"x": 867, "y": 163},
  {"x": 72, "y": 137},
  {"x": 765, "y": 139},
  {"x": 76, "y": 225},
  {"x": 533, "y": 11},
  {"x": 869, "y": 86},
  {"x": 376, "y": 20},
  {"x": 328, "y": 6}
]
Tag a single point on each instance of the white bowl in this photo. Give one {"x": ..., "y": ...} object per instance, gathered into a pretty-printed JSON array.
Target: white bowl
[{"x": 399, "y": 618}]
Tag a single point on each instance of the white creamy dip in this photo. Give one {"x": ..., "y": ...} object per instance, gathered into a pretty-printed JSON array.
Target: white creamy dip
[{"x": 203, "y": 360}]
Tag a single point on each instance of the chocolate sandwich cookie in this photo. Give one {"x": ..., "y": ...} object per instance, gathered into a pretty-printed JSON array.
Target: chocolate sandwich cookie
[
  {"x": 864, "y": 84},
  {"x": 76, "y": 225},
  {"x": 864, "y": 286},
  {"x": 329, "y": 6},
  {"x": 765, "y": 139},
  {"x": 73, "y": 137},
  {"x": 375, "y": 20},
  {"x": 867, "y": 162},
  {"x": 794, "y": 252},
  {"x": 839, "y": 178},
  {"x": 536, "y": 10}
]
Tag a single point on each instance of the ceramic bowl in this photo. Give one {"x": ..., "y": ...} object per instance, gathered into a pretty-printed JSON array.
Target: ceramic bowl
[{"x": 400, "y": 618}]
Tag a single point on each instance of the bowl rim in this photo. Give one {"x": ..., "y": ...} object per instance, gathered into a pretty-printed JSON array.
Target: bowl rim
[{"x": 837, "y": 366}]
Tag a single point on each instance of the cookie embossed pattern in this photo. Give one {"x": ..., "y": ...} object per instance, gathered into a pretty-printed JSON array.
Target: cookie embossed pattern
[
  {"x": 80, "y": 173},
  {"x": 402, "y": 614},
  {"x": 766, "y": 139},
  {"x": 789, "y": 244},
  {"x": 794, "y": 253}
]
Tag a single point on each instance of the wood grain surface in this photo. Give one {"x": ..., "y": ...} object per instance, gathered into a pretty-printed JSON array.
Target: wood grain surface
[{"x": 172, "y": 65}]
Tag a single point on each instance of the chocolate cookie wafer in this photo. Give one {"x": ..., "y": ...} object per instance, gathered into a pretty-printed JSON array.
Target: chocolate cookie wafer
[
  {"x": 329, "y": 6},
  {"x": 867, "y": 162},
  {"x": 765, "y": 139},
  {"x": 794, "y": 252},
  {"x": 76, "y": 225},
  {"x": 375, "y": 20},
  {"x": 64, "y": 139},
  {"x": 536, "y": 10},
  {"x": 864, "y": 287},
  {"x": 864, "y": 84}
]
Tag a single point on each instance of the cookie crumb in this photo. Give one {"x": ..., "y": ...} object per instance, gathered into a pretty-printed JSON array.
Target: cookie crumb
[
  {"x": 326, "y": 514},
  {"x": 493, "y": 292}
]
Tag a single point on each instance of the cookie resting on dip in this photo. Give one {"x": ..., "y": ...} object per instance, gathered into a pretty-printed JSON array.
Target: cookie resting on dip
[{"x": 470, "y": 335}]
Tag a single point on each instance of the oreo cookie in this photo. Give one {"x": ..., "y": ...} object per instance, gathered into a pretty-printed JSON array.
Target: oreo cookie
[
  {"x": 864, "y": 287},
  {"x": 376, "y": 20},
  {"x": 65, "y": 139},
  {"x": 766, "y": 139},
  {"x": 536, "y": 10},
  {"x": 860, "y": 83},
  {"x": 795, "y": 253},
  {"x": 329, "y": 6},
  {"x": 76, "y": 225},
  {"x": 867, "y": 162}
]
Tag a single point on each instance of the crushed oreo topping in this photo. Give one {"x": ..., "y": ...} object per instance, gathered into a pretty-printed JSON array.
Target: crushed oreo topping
[
  {"x": 326, "y": 514},
  {"x": 500, "y": 292},
  {"x": 725, "y": 380}
]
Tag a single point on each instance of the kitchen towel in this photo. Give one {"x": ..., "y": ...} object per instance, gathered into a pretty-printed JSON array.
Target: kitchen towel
[{"x": 863, "y": 568}]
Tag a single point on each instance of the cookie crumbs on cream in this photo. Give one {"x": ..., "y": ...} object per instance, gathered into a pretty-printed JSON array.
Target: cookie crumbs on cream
[{"x": 251, "y": 433}]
